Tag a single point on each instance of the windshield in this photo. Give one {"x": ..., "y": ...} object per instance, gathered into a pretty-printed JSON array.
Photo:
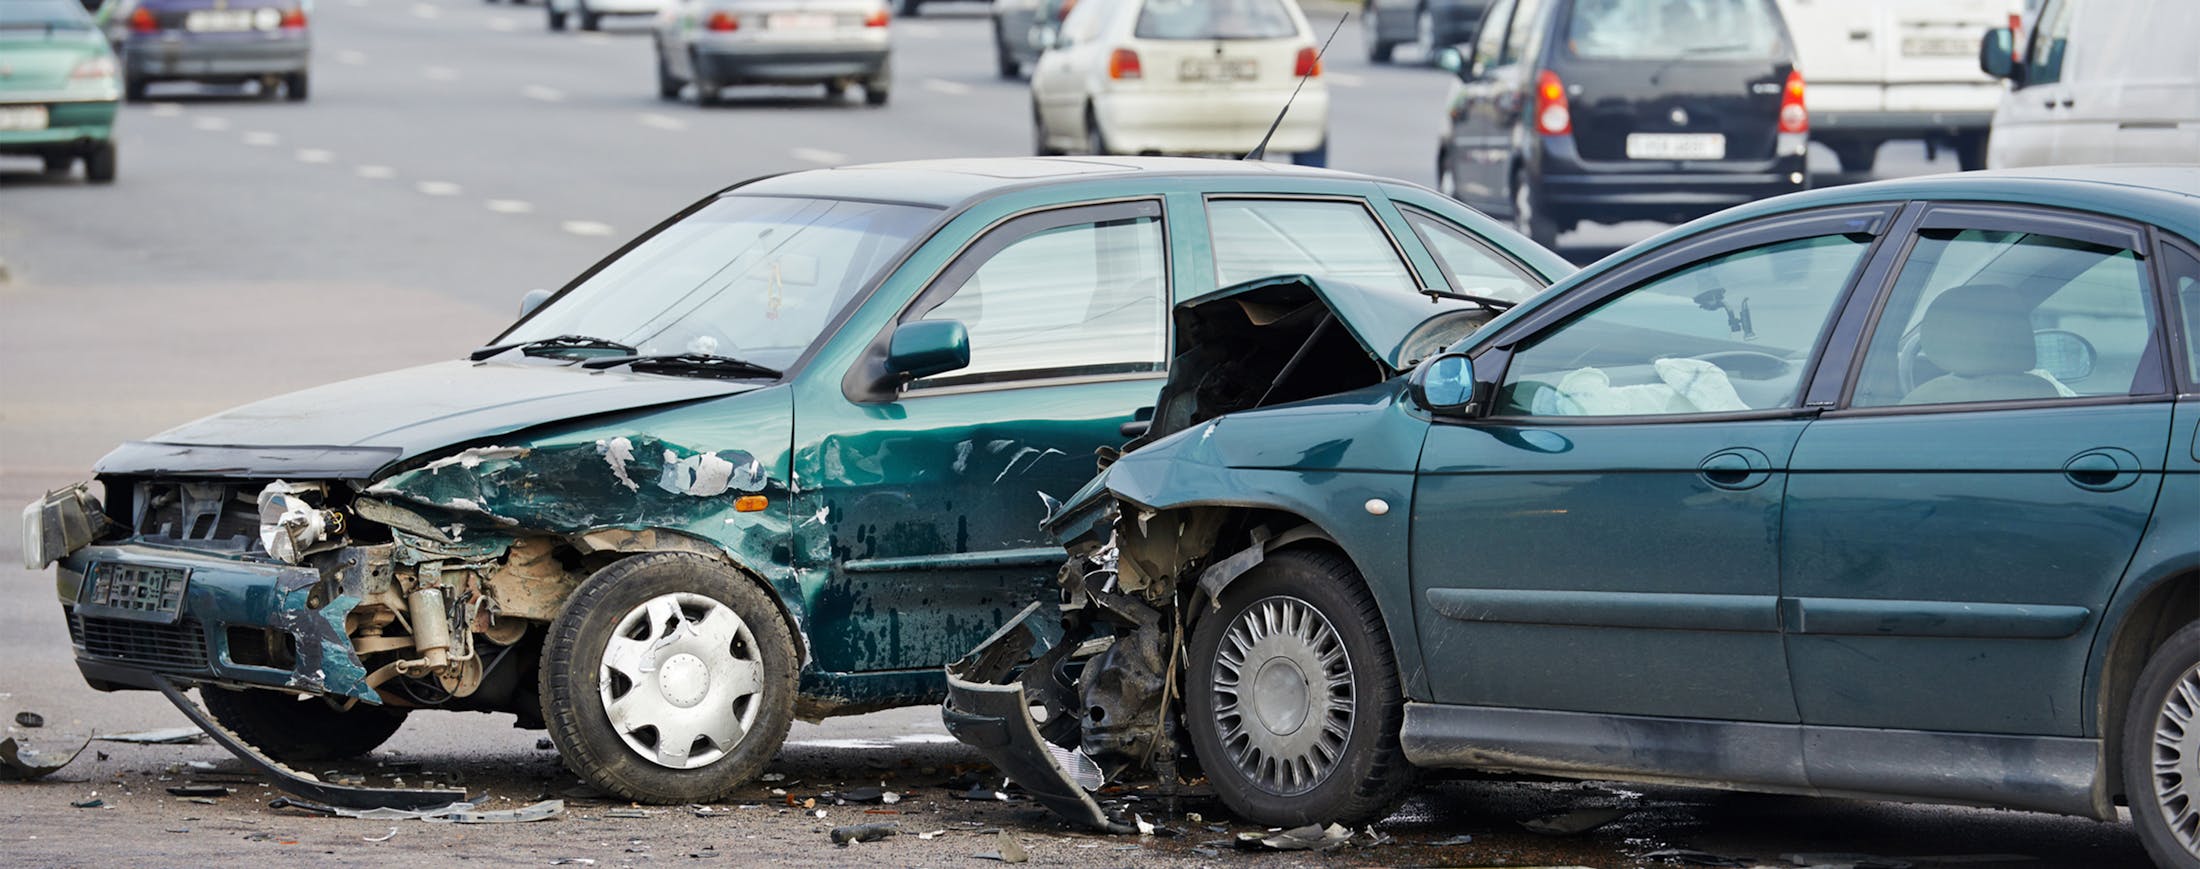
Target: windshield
[
  {"x": 1666, "y": 29},
  {"x": 1215, "y": 19},
  {"x": 43, "y": 15},
  {"x": 752, "y": 277}
]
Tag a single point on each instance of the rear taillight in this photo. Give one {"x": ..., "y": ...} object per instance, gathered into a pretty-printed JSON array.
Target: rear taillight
[
  {"x": 98, "y": 68},
  {"x": 723, "y": 22},
  {"x": 1552, "y": 116},
  {"x": 877, "y": 18},
  {"x": 1310, "y": 63},
  {"x": 1123, "y": 63},
  {"x": 1063, "y": 13},
  {"x": 142, "y": 21},
  {"x": 294, "y": 19},
  {"x": 1793, "y": 117}
]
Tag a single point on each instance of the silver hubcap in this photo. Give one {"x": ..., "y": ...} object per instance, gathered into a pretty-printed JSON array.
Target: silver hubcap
[
  {"x": 1283, "y": 695},
  {"x": 2177, "y": 760},
  {"x": 682, "y": 680}
]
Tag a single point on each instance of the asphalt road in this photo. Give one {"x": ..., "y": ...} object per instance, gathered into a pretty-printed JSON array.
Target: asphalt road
[{"x": 454, "y": 155}]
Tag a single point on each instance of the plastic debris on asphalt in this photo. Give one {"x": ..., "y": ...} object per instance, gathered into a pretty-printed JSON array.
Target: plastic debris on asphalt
[
  {"x": 845, "y": 836},
  {"x": 1575, "y": 822},
  {"x": 1845, "y": 861},
  {"x": 1007, "y": 850},
  {"x": 30, "y": 719},
  {"x": 1312, "y": 837},
  {"x": 167, "y": 736},
  {"x": 20, "y": 764}
]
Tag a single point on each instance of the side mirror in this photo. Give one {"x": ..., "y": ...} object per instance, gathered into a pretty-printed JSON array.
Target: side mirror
[
  {"x": 927, "y": 347},
  {"x": 1444, "y": 384},
  {"x": 1050, "y": 37},
  {"x": 1450, "y": 60},
  {"x": 1994, "y": 54},
  {"x": 534, "y": 299}
]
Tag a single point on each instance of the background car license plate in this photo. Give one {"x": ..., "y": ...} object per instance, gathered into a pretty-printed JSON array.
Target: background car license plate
[
  {"x": 1218, "y": 69},
  {"x": 1938, "y": 46},
  {"x": 22, "y": 117},
  {"x": 1676, "y": 146},
  {"x": 798, "y": 21},
  {"x": 217, "y": 20},
  {"x": 135, "y": 590}
]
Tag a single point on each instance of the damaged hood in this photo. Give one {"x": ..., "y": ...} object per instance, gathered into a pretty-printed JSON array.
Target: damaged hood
[
  {"x": 1392, "y": 326},
  {"x": 353, "y": 428}
]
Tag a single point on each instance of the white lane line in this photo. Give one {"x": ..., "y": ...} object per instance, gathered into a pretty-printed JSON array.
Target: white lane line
[
  {"x": 261, "y": 139},
  {"x": 314, "y": 155},
  {"x": 423, "y": 10},
  {"x": 510, "y": 206},
  {"x": 1344, "y": 79},
  {"x": 437, "y": 188},
  {"x": 439, "y": 73},
  {"x": 819, "y": 156},
  {"x": 349, "y": 57},
  {"x": 585, "y": 227},
  {"x": 210, "y": 124},
  {"x": 943, "y": 86},
  {"x": 542, "y": 92},
  {"x": 167, "y": 110},
  {"x": 503, "y": 25},
  {"x": 660, "y": 122},
  {"x": 375, "y": 173}
]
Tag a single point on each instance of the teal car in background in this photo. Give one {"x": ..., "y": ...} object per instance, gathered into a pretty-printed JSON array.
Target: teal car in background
[
  {"x": 783, "y": 456},
  {"x": 1887, "y": 491},
  {"x": 58, "y": 87}
]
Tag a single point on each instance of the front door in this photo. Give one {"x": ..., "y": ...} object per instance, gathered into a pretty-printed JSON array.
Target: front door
[
  {"x": 1607, "y": 539},
  {"x": 918, "y": 518},
  {"x": 1953, "y": 531}
]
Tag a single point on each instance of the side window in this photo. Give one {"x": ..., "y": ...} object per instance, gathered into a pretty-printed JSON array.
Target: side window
[
  {"x": 1469, "y": 265},
  {"x": 1733, "y": 333},
  {"x": 1079, "y": 299},
  {"x": 2184, "y": 277},
  {"x": 1489, "y": 41},
  {"x": 1330, "y": 240},
  {"x": 1520, "y": 40},
  {"x": 1981, "y": 315},
  {"x": 2043, "y": 58}
]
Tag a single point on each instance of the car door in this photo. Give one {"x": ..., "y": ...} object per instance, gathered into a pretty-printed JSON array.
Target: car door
[
  {"x": 1955, "y": 526},
  {"x": 2025, "y": 125},
  {"x": 918, "y": 516},
  {"x": 1058, "y": 80},
  {"x": 1606, "y": 538},
  {"x": 1483, "y": 109}
]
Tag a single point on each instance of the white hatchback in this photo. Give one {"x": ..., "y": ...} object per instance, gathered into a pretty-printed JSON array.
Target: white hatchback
[{"x": 1181, "y": 77}]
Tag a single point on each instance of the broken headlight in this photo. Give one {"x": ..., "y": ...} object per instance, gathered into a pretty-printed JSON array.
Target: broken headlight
[
  {"x": 64, "y": 521},
  {"x": 292, "y": 526}
]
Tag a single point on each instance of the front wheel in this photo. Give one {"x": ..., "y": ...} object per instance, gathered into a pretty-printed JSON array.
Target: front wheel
[
  {"x": 668, "y": 678},
  {"x": 296, "y": 86},
  {"x": 556, "y": 18},
  {"x": 1371, "y": 35},
  {"x": 291, "y": 728},
  {"x": 1292, "y": 702},
  {"x": 1971, "y": 150},
  {"x": 2161, "y": 752},
  {"x": 668, "y": 87}
]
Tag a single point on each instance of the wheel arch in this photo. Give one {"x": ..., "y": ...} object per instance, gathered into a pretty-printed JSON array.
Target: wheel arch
[
  {"x": 601, "y": 547},
  {"x": 2163, "y": 603}
]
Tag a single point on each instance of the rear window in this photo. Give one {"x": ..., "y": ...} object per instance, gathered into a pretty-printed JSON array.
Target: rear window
[
  {"x": 1668, "y": 29},
  {"x": 1215, "y": 19}
]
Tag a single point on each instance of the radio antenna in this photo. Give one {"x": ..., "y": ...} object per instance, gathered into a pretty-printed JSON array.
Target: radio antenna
[{"x": 1262, "y": 148}]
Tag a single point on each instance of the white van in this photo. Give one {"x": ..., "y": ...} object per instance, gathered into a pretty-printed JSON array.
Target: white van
[
  {"x": 2098, "y": 81},
  {"x": 1883, "y": 70}
]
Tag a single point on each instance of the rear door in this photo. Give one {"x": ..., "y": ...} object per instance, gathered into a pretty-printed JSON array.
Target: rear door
[{"x": 1685, "y": 82}]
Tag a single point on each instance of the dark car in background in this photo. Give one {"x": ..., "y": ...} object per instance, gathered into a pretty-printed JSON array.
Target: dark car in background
[
  {"x": 213, "y": 41},
  {"x": 1022, "y": 30},
  {"x": 1428, "y": 24},
  {"x": 1618, "y": 110}
]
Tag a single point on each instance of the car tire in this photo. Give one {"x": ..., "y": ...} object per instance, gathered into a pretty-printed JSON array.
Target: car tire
[
  {"x": 1424, "y": 34},
  {"x": 1004, "y": 61},
  {"x": 1039, "y": 144},
  {"x": 907, "y": 8},
  {"x": 1856, "y": 158},
  {"x": 836, "y": 90},
  {"x": 297, "y": 86},
  {"x": 1971, "y": 150},
  {"x": 556, "y": 18},
  {"x": 1379, "y": 50},
  {"x": 1447, "y": 178},
  {"x": 59, "y": 164},
  {"x": 1306, "y": 615},
  {"x": 1529, "y": 216},
  {"x": 668, "y": 87},
  {"x": 99, "y": 163},
  {"x": 2160, "y": 731},
  {"x": 731, "y": 647},
  {"x": 292, "y": 729},
  {"x": 706, "y": 88},
  {"x": 1096, "y": 140},
  {"x": 590, "y": 21},
  {"x": 877, "y": 90},
  {"x": 133, "y": 88}
]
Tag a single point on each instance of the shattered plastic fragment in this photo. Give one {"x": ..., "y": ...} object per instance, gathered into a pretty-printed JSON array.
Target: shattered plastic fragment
[
  {"x": 199, "y": 790},
  {"x": 1845, "y": 861},
  {"x": 1311, "y": 837},
  {"x": 1006, "y": 850},
  {"x": 844, "y": 836},
  {"x": 617, "y": 452},
  {"x": 30, "y": 719},
  {"x": 19, "y": 764},
  {"x": 392, "y": 834},
  {"x": 1575, "y": 822},
  {"x": 170, "y": 736},
  {"x": 1461, "y": 839}
]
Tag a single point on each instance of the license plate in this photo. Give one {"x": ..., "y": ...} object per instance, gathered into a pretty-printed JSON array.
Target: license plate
[
  {"x": 1676, "y": 146},
  {"x": 1218, "y": 69},
  {"x": 22, "y": 117},
  {"x": 218, "y": 20},
  {"x": 135, "y": 590},
  {"x": 1938, "y": 46},
  {"x": 798, "y": 21}
]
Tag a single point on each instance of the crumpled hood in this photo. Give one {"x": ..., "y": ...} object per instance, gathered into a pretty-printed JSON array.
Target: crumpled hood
[{"x": 353, "y": 428}]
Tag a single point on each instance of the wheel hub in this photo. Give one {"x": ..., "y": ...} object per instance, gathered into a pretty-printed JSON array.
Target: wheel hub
[
  {"x": 681, "y": 680},
  {"x": 1284, "y": 698},
  {"x": 1281, "y": 699},
  {"x": 2177, "y": 760},
  {"x": 684, "y": 679}
]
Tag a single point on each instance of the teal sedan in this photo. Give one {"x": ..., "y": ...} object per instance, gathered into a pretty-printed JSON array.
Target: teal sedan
[
  {"x": 58, "y": 87},
  {"x": 1888, "y": 491}
]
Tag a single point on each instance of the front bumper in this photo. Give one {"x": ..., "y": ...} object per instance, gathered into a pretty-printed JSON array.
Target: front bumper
[
  {"x": 173, "y": 55},
  {"x": 1612, "y": 191},
  {"x": 754, "y": 62},
  {"x": 987, "y": 709},
  {"x": 1200, "y": 122},
  {"x": 70, "y": 126}
]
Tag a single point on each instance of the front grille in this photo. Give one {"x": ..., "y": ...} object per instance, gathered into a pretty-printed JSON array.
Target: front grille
[{"x": 180, "y": 646}]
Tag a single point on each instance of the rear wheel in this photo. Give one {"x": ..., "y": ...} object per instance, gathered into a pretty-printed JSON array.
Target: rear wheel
[
  {"x": 1371, "y": 35},
  {"x": 1004, "y": 61},
  {"x": 836, "y": 89},
  {"x": 2161, "y": 752},
  {"x": 1096, "y": 142},
  {"x": 1529, "y": 215},
  {"x": 876, "y": 91},
  {"x": 668, "y": 87},
  {"x": 556, "y": 18},
  {"x": 59, "y": 164},
  {"x": 589, "y": 20},
  {"x": 1857, "y": 158},
  {"x": 706, "y": 88},
  {"x": 1039, "y": 143},
  {"x": 1292, "y": 701},
  {"x": 290, "y": 728},
  {"x": 99, "y": 165},
  {"x": 1971, "y": 150},
  {"x": 133, "y": 87},
  {"x": 296, "y": 87}
]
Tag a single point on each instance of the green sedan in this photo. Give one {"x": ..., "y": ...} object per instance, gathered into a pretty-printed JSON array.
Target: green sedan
[{"x": 58, "y": 87}]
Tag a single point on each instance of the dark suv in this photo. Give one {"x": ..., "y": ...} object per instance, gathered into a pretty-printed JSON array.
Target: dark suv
[{"x": 1616, "y": 110}]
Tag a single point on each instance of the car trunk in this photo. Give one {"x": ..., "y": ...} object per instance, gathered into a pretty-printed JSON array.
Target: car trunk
[
  {"x": 1738, "y": 100},
  {"x": 41, "y": 63}
]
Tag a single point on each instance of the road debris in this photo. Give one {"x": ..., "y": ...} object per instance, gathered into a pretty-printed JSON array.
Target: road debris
[
  {"x": 392, "y": 834},
  {"x": 1461, "y": 839},
  {"x": 1692, "y": 857},
  {"x": 1312, "y": 837},
  {"x": 931, "y": 835},
  {"x": 20, "y": 764},
  {"x": 1845, "y": 861},
  {"x": 165, "y": 736},
  {"x": 1575, "y": 822},
  {"x": 93, "y": 803},
  {"x": 30, "y": 719},
  {"x": 1006, "y": 850},
  {"x": 625, "y": 813},
  {"x": 844, "y": 836},
  {"x": 200, "y": 790}
]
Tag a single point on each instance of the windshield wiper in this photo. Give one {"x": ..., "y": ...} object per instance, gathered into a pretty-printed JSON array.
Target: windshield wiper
[
  {"x": 1494, "y": 304},
  {"x": 551, "y": 346},
  {"x": 702, "y": 364}
]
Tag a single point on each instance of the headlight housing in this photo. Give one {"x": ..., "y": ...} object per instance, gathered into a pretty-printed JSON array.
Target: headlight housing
[
  {"x": 292, "y": 526},
  {"x": 64, "y": 521}
]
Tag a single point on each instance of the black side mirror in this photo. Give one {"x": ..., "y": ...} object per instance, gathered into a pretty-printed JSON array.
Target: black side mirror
[
  {"x": 534, "y": 299},
  {"x": 927, "y": 347},
  {"x": 1996, "y": 55},
  {"x": 1444, "y": 385}
]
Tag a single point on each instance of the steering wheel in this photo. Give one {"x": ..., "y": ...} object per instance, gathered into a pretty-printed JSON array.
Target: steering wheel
[{"x": 1747, "y": 364}]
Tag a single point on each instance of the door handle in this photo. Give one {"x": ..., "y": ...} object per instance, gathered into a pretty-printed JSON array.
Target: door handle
[
  {"x": 2102, "y": 470},
  {"x": 1735, "y": 469}
]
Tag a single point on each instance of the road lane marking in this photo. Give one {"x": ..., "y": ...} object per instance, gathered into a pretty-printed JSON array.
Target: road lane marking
[
  {"x": 314, "y": 155},
  {"x": 439, "y": 73},
  {"x": 585, "y": 227},
  {"x": 943, "y": 86},
  {"x": 167, "y": 110},
  {"x": 819, "y": 156},
  {"x": 261, "y": 139},
  {"x": 376, "y": 173},
  {"x": 503, "y": 25},
  {"x": 437, "y": 188},
  {"x": 423, "y": 10},
  {"x": 661, "y": 122},
  {"x": 1345, "y": 79},
  {"x": 543, "y": 93},
  {"x": 510, "y": 206},
  {"x": 349, "y": 57},
  {"x": 210, "y": 124}
]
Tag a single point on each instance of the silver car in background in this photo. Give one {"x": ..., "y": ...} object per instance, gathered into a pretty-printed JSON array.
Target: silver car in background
[
  {"x": 592, "y": 12},
  {"x": 712, "y": 44}
]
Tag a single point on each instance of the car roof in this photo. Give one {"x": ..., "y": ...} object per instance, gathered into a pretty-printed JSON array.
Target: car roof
[{"x": 948, "y": 182}]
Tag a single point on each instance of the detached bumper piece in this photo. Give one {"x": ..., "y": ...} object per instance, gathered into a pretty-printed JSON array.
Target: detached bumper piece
[
  {"x": 305, "y": 785},
  {"x": 989, "y": 709}
]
